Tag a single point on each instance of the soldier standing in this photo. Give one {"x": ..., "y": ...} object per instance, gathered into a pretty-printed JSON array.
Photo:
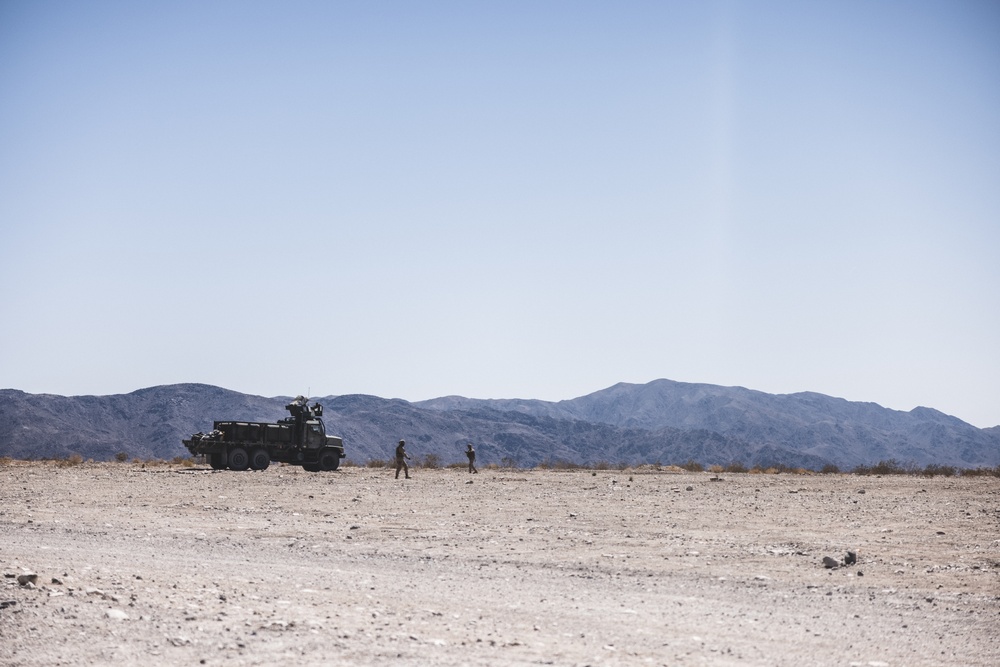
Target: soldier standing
[
  {"x": 471, "y": 453},
  {"x": 401, "y": 457}
]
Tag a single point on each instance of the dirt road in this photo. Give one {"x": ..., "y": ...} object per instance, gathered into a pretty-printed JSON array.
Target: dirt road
[{"x": 174, "y": 565}]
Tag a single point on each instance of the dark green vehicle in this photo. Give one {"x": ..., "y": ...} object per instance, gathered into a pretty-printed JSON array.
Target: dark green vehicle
[{"x": 300, "y": 439}]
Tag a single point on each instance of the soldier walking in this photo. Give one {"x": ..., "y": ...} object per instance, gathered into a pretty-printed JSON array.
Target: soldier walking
[
  {"x": 471, "y": 453},
  {"x": 401, "y": 457}
]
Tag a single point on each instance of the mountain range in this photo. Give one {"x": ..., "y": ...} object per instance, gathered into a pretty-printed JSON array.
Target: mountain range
[{"x": 662, "y": 421}]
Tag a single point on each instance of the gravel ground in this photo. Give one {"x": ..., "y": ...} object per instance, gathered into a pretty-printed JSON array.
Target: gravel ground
[{"x": 179, "y": 565}]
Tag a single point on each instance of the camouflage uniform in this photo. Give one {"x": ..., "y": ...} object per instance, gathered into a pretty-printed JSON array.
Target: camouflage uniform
[
  {"x": 401, "y": 457},
  {"x": 471, "y": 453}
]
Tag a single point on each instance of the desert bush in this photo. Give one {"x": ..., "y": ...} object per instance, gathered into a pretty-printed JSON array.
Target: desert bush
[
  {"x": 716, "y": 468},
  {"x": 931, "y": 469},
  {"x": 602, "y": 465},
  {"x": 981, "y": 472},
  {"x": 348, "y": 463},
  {"x": 6, "y": 460},
  {"x": 458, "y": 465},
  {"x": 431, "y": 460},
  {"x": 692, "y": 466},
  {"x": 735, "y": 466},
  {"x": 121, "y": 457},
  {"x": 564, "y": 464},
  {"x": 378, "y": 463},
  {"x": 889, "y": 467},
  {"x": 509, "y": 462},
  {"x": 71, "y": 460},
  {"x": 829, "y": 469}
]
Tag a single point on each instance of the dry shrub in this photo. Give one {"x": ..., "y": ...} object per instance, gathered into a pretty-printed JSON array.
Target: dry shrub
[
  {"x": 377, "y": 463},
  {"x": 71, "y": 460},
  {"x": 5, "y": 460},
  {"x": 692, "y": 466},
  {"x": 559, "y": 464},
  {"x": 715, "y": 468},
  {"x": 889, "y": 467},
  {"x": 981, "y": 472},
  {"x": 431, "y": 461}
]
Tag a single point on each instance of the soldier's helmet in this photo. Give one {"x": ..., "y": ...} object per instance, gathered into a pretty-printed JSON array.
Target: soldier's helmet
[{"x": 402, "y": 442}]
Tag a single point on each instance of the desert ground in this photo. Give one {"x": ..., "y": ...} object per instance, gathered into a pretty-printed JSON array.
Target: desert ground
[{"x": 167, "y": 564}]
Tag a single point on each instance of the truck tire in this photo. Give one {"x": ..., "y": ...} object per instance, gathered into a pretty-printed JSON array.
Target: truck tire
[
  {"x": 259, "y": 458},
  {"x": 238, "y": 459},
  {"x": 329, "y": 460},
  {"x": 217, "y": 460},
  {"x": 310, "y": 467}
]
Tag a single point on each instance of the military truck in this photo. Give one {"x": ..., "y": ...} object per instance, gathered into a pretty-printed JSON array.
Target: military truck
[{"x": 299, "y": 439}]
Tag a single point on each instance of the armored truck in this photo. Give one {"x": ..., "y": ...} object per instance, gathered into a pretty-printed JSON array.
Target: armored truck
[{"x": 299, "y": 439}]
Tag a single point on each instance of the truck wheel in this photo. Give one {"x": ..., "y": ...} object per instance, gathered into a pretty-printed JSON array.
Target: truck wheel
[
  {"x": 217, "y": 460},
  {"x": 329, "y": 461},
  {"x": 238, "y": 459},
  {"x": 310, "y": 467},
  {"x": 259, "y": 458}
]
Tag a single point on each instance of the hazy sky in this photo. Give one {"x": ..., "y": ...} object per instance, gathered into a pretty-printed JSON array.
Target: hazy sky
[{"x": 511, "y": 199}]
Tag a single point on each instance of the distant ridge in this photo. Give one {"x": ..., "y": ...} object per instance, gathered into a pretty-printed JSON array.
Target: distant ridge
[{"x": 659, "y": 422}]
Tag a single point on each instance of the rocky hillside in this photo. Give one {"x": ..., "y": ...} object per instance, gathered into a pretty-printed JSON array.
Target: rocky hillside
[
  {"x": 835, "y": 430},
  {"x": 662, "y": 421}
]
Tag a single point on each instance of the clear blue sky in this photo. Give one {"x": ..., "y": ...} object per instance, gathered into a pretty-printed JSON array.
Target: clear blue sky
[{"x": 510, "y": 199}]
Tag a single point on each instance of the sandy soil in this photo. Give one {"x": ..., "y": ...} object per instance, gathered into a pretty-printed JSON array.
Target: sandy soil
[{"x": 173, "y": 565}]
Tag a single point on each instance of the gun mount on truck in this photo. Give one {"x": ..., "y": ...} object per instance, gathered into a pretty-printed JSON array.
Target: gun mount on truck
[{"x": 300, "y": 439}]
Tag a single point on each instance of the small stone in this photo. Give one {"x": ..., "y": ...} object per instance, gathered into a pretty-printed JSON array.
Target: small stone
[
  {"x": 57, "y": 581},
  {"x": 690, "y": 488},
  {"x": 861, "y": 491},
  {"x": 830, "y": 563},
  {"x": 116, "y": 614},
  {"x": 851, "y": 559},
  {"x": 27, "y": 578},
  {"x": 7, "y": 603}
]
